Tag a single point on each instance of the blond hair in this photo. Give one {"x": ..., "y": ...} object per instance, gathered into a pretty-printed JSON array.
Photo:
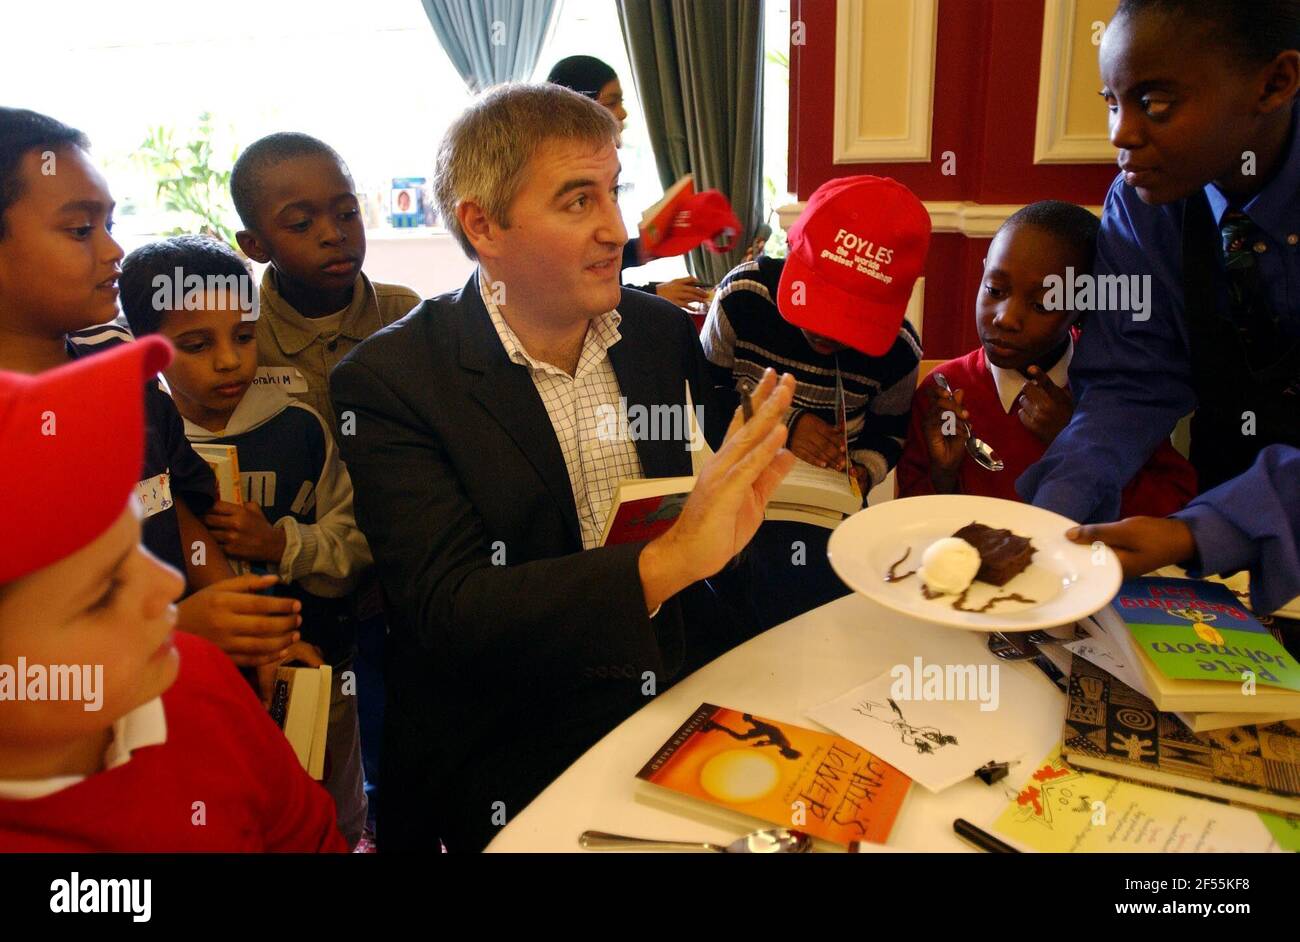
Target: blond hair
[{"x": 483, "y": 154}]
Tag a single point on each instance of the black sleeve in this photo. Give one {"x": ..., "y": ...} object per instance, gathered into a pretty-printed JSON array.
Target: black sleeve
[
  {"x": 536, "y": 622},
  {"x": 632, "y": 259},
  {"x": 711, "y": 386},
  {"x": 631, "y": 255},
  {"x": 191, "y": 478},
  {"x": 726, "y": 399}
]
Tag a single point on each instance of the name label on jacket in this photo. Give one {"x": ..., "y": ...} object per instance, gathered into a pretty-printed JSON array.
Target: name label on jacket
[{"x": 287, "y": 378}]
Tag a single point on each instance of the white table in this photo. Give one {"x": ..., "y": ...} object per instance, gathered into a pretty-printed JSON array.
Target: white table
[{"x": 779, "y": 675}]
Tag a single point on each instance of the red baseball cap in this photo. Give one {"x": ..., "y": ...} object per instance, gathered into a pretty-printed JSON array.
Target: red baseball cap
[
  {"x": 71, "y": 450},
  {"x": 705, "y": 218},
  {"x": 855, "y": 254}
]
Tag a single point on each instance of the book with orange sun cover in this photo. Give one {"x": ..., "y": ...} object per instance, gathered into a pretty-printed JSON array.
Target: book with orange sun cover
[{"x": 784, "y": 774}]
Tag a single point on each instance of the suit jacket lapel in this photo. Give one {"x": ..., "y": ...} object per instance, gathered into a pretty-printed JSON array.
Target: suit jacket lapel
[
  {"x": 506, "y": 391},
  {"x": 646, "y": 381}
]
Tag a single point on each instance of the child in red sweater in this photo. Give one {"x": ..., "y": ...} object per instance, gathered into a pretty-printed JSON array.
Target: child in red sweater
[
  {"x": 118, "y": 733},
  {"x": 1013, "y": 389}
]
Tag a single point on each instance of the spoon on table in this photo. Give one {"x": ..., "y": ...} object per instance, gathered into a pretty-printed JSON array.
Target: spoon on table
[
  {"x": 980, "y": 451},
  {"x": 768, "y": 841}
]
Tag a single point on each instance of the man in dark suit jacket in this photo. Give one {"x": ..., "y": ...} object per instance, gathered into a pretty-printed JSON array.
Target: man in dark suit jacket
[{"x": 514, "y": 648}]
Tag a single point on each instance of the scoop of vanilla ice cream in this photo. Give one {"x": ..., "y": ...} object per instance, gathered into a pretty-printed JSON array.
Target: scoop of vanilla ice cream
[{"x": 949, "y": 565}]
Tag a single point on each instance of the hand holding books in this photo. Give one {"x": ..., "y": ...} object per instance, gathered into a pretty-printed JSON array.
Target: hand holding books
[
  {"x": 244, "y": 532},
  {"x": 726, "y": 506},
  {"x": 299, "y": 651},
  {"x": 819, "y": 443}
]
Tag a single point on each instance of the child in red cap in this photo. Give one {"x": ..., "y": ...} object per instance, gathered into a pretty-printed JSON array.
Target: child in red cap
[
  {"x": 118, "y": 733},
  {"x": 831, "y": 314}
]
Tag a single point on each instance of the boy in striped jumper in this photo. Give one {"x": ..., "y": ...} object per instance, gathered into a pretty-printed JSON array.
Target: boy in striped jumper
[
  {"x": 745, "y": 334},
  {"x": 831, "y": 314}
]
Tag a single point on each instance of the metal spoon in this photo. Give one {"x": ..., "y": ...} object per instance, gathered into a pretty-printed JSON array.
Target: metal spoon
[
  {"x": 1019, "y": 648},
  {"x": 980, "y": 451},
  {"x": 768, "y": 841},
  {"x": 1023, "y": 645}
]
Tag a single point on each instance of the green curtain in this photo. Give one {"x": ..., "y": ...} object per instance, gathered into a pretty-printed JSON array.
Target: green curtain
[
  {"x": 491, "y": 41},
  {"x": 698, "y": 68}
]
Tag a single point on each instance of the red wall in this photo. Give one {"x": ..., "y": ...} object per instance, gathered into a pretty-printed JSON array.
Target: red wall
[{"x": 985, "y": 102}]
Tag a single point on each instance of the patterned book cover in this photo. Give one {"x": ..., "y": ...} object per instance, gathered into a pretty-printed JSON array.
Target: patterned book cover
[
  {"x": 1111, "y": 728},
  {"x": 784, "y": 774}
]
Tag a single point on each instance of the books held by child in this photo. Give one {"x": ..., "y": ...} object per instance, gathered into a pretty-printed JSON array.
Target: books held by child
[
  {"x": 300, "y": 706},
  {"x": 224, "y": 462},
  {"x": 300, "y": 703}
]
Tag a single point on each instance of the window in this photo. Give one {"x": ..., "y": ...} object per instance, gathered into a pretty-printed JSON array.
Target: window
[
  {"x": 369, "y": 79},
  {"x": 776, "y": 119}
]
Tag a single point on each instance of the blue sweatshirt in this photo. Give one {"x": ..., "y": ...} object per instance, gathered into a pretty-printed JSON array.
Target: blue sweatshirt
[{"x": 1253, "y": 522}]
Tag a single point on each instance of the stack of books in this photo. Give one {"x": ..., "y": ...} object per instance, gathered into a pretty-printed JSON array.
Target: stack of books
[{"x": 1181, "y": 687}]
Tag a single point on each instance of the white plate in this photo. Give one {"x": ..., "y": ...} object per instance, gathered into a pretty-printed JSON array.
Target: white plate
[{"x": 1066, "y": 581}]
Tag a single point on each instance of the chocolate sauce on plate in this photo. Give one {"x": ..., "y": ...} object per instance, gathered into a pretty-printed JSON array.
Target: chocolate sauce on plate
[
  {"x": 1012, "y": 597},
  {"x": 893, "y": 576}
]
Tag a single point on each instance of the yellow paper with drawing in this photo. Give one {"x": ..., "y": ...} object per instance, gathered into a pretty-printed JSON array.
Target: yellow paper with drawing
[{"x": 1062, "y": 810}]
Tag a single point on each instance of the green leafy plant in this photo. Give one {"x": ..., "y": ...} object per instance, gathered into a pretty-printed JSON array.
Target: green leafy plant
[
  {"x": 189, "y": 180},
  {"x": 777, "y": 246}
]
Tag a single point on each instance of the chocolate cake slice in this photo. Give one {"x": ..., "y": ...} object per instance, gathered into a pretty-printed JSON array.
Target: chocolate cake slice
[{"x": 1003, "y": 555}]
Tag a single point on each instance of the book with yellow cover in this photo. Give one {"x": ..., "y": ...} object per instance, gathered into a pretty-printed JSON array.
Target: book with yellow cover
[
  {"x": 224, "y": 462},
  {"x": 781, "y": 773},
  {"x": 1061, "y": 809}
]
